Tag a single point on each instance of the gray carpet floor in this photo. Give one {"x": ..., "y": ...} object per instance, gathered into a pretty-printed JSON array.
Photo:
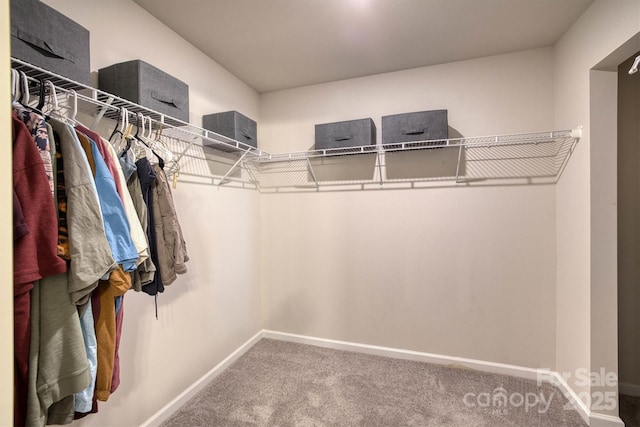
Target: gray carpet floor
[{"x": 278, "y": 383}]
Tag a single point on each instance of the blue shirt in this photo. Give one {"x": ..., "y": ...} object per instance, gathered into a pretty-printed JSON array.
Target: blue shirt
[{"x": 116, "y": 224}]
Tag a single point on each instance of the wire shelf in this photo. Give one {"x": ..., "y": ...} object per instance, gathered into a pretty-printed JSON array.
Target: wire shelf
[
  {"x": 109, "y": 105},
  {"x": 200, "y": 154},
  {"x": 530, "y": 158},
  {"x": 206, "y": 157}
]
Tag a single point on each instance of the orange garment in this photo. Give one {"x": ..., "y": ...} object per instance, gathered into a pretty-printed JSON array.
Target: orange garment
[
  {"x": 105, "y": 323},
  {"x": 101, "y": 144},
  {"x": 86, "y": 146}
]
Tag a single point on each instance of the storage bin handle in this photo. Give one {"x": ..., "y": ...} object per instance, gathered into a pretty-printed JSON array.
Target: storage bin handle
[
  {"x": 414, "y": 131},
  {"x": 169, "y": 100},
  {"x": 246, "y": 135},
  {"x": 343, "y": 138},
  {"x": 41, "y": 45}
]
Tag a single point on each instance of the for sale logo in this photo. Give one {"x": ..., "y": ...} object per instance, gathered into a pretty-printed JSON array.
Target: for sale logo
[
  {"x": 594, "y": 399},
  {"x": 499, "y": 400}
]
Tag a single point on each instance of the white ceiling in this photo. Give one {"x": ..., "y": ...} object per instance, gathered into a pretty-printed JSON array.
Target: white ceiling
[{"x": 280, "y": 44}]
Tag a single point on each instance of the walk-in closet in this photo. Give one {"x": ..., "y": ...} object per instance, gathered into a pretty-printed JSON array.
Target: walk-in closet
[{"x": 343, "y": 212}]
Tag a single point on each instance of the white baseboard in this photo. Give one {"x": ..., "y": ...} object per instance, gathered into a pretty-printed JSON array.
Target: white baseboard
[
  {"x": 558, "y": 381},
  {"x": 544, "y": 375},
  {"x": 629, "y": 389},
  {"x": 167, "y": 410},
  {"x": 480, "y": 365}
]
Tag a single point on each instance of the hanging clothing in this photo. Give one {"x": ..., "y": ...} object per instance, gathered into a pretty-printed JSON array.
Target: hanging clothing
[
  {"x": 140, "y": 242},
  {"x": 34, "y": 257},
  {"x": 84, "y": 398},
  {"x": 83, "y": 224},
  {"x": 19, "y": 225},
  {"x": 60, "y": 194},
  {"x": 52, "y": 153},
  {"x": 127, "y": 163},
  {"x": 104, "y": 153},
  {"x": 145, "y": 273},
  {"x": 147, "y": 178},
  {"x": 115, "y": 377},
  {"x": 38, "y": 129},
  {"x": 106, "y": 328},
  {"x": 137, "y": 233},
  {"x": 116, "y": 225},
  {"x": 61, "y": 412},
  {"x": 58, "y": 364},
  {"x": 86, "y": 147},
  {"x": 35, "y": 253},
  {"x": 90, "y": 253},
  {"x": 118, "y": 232},
  {"x": 172, "y": 249}
]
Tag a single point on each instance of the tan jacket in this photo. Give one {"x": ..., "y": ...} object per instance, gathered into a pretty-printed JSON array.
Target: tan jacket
[{"x": 172, "y": 250}]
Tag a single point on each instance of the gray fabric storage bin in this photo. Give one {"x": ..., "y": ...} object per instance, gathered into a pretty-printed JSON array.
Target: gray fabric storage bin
[
  {"x": 232, "y": 125},
  {"x": 44, "y": 37},
  {"x": 350, "y": 133},
  {"x": 146, "y": 85},
  {"x": 419, "y": 126}
]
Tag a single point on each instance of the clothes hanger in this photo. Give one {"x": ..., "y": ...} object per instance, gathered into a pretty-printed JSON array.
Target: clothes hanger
[
  {"x": 25, "y": 94},
  {"x": 139, "y": 123},
  {"x": 141, "y": 150},
  {"x": 124, "y": 131},
  {"x": 41, "y": 96},
  {"x": 117, "y": 128},
  {"x": 51, "y": 102},
  {"x": 153, "y": 153},
  {"x": 163, "y": 146},
  {"x": 74, "y": 106},
  {"x": 149, "y": 144},
  {"x": 150, "y": 135},
  {"x": 143, "y": 137},
  {"x": 157, "y": 144},
  {"x": 15, "y": 85},
  {"x": 146, "y": 131},
  {"x": 127, "y": 127},
  {"x": 173, "y": 165},
  {"x": 167, "y": 154},
  {"x": 24, "y": 89}
]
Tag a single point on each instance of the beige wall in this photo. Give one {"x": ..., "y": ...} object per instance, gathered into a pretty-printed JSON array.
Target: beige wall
[
  {"x": 585, "y": 197},
  {"x": 466, "y": 272},
  {"x": 603, "y": 130},
  {"x": 121, "y": 31},
  {"x": 481, "y": 95},
  {"x": 629, "y": 225},
  {"x": 6, "y": 248},
  {"x": 215, "y": 307}
]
